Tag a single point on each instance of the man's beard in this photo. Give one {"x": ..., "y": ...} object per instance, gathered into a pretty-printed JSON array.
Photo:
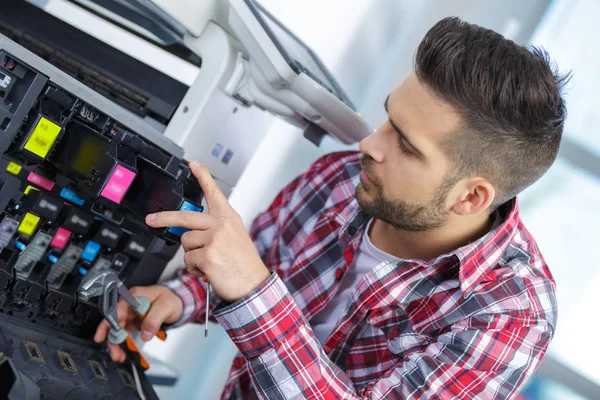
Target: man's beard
[{"x": 400, "y": 214}]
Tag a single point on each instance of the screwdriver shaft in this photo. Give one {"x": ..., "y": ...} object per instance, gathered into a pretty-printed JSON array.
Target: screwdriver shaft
[{"x": 207, "y": 308}]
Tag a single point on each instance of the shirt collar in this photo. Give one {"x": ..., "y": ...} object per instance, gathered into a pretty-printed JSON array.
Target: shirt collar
[{"x": 478, "y": 258}]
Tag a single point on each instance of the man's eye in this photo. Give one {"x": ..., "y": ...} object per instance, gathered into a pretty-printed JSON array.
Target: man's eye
[{"x": 403, "y": 147}]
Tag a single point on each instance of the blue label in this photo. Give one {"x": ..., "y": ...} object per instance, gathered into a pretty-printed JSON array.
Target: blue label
[
  {"x": 177, "y": 231},
  {"x": 83, "y": 271},
  {"x": 185, "y": 206},
  {"x": 52, "y": 258},
  {"x": 91, "y": 251},
  {"x": 71, "y": 196},
  {"x": 217, "y": 150}
]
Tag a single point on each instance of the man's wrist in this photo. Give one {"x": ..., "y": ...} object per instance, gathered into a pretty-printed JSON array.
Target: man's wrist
[
  {"x": 257, "y": 282},
  {"x": 180, "y": 289}
]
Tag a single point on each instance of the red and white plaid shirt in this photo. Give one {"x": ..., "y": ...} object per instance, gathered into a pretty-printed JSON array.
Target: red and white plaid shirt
[{"x": 473, "y": 323}]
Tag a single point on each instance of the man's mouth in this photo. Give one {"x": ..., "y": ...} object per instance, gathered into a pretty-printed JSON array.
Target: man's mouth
[{"x": 364, "y": 177}]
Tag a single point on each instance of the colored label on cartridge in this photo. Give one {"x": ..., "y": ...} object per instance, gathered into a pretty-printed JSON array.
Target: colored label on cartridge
[
  {"x": 39, "y": 180},
  {"x": 71, "y": 196},
  {"x": 28, "y": 224},
  {"x": 90, "y": 251},
  {"x": 117, "y": 184},
  {"x": 29, "y": 188},
  {"x": 42, "y": 137},
  {"x": 61, "y": 238},
  {"x": 13, "y": 168},
  {"x": 185, "y": 206}
]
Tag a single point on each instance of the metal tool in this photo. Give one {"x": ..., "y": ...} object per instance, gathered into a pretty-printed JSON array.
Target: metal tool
[
  {"x": 108, "y": 285},
  {"x": 205, "y": 279},
  {"x": 207, "y": 308}
]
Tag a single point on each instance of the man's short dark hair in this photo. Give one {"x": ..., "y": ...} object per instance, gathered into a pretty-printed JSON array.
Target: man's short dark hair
[{"x": 509, "y": 98}]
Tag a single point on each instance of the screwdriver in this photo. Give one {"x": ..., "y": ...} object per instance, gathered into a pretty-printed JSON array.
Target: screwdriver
[{"x": 205, "y": 279}]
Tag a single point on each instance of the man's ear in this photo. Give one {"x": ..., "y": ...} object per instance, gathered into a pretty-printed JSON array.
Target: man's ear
[{"x": 475, "y": 195}]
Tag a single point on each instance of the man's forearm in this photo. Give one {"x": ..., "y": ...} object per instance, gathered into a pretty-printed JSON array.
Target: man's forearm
[{"x": 285, "y": 358}]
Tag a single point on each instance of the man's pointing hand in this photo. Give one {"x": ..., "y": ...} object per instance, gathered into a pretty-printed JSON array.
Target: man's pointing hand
[{"x": 217, "y": 243}]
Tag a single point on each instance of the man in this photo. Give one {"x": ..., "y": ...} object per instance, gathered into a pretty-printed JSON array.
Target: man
[{"x": 402, "y": 271}]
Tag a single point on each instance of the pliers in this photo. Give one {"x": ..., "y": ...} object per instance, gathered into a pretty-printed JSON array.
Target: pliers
[{"x": 108, "y": 285}]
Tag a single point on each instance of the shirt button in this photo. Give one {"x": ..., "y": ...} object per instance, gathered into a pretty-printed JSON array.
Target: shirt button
[
  {"x": 348, "y": 255},
  {"x": 339, "y": 274},
  {"x": 238, "y": 362},
  {"x": 352, "y": 230}
]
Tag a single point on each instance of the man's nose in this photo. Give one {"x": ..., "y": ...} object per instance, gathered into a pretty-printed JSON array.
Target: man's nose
[{"x": 373, "y": 147}]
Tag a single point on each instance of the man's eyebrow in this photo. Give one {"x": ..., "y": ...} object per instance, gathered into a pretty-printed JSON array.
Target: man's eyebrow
[{"x": 399, "y": 131}]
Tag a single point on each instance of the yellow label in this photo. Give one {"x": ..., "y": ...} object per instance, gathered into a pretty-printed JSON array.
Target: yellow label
[
  {"x": 29, "y": 224},
  {"x": 42, "y": 137},
  {"x": 13, "y": 168},
  {"x": 29, "y": 188}
]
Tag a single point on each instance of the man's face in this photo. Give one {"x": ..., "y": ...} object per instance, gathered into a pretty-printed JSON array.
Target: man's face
[{"x": 405, "y": 179}]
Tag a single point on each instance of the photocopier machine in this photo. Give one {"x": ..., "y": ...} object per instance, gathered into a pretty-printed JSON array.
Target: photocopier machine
[{"x": 93, "y": 137}]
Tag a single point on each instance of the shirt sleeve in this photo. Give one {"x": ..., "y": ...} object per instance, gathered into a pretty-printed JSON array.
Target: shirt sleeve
[
  {"x": 192, "y": 291},
  {"x": 484, "y": 357}
]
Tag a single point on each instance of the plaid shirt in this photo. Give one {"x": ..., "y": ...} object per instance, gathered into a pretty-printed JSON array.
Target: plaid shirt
[{"x": 473, "y": 323}]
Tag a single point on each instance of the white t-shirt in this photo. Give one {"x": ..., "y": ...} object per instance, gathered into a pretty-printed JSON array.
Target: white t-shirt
[{"x": 366, "y": 258}]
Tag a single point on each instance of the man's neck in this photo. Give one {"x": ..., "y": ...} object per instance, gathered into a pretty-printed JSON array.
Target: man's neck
[{"x": 459, "y": 231}]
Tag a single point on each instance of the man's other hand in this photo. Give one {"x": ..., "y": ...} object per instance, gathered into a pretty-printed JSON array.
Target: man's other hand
[{"x": 165, "y": 308}]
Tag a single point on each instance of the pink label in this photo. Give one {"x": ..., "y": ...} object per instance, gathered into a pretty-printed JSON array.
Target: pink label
[
  {"x": 40, "y": 181},
  {"x": 117, "y": 184},
  {"x": 60, "y": 239}
]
